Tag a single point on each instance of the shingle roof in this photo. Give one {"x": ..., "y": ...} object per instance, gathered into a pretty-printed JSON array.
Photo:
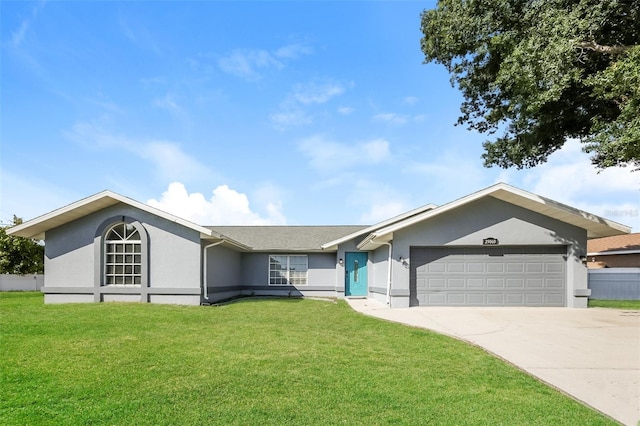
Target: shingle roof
[
  {"x": 285, "y": 238},
  {"x": 617, "y": 243}
]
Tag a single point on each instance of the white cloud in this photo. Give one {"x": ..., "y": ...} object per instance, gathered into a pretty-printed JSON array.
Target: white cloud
[
  {"x": 18, "y": 36},
  {"x": 167, "y": 102},
  {"x": 391, "y": 117},
  {"x": 225, "y": 207},
  {"x": 329, "y": 156},
  {"x": 290, "y": 117},
  {"x": 410, "y": 100},
  {"x": 168, "y": 158},
  {"x": 293, "y": 51},
  {"x": 345, "y": 110},
  {"x": 317, "y": 93},
  {"x": 383, "y": 210},
  {"x": 247, "y": 63},
  {"x": 140, "y": 36},
  {"x": 250, "y": 63},
  {"x": 293, "y": 110},
  {"x": 570, "y": 178}
]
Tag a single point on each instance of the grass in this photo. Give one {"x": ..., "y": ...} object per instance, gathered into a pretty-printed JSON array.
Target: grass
[
  {"x": 253, "y": 362},
  {"x": 615, "y": 304}
]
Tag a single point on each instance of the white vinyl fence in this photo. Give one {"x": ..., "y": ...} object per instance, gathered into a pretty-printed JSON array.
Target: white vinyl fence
[
  {"x": 31, "y": 282},
  {"x": 615, "y": 283}
]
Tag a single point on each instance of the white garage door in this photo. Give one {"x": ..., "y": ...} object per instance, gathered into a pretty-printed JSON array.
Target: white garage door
[{"x": 488, "y": 276}]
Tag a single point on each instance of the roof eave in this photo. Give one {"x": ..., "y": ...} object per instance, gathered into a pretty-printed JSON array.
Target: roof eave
[
  {"x": 596, "y": 226},
  {"x": 36, "y": 228},
  {"x": 333, "y": 245}
]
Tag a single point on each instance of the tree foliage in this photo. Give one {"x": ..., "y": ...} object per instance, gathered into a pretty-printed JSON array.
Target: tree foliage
[
  {"x": 20, "y": 255},
  {"x": 535, "y": 73}
]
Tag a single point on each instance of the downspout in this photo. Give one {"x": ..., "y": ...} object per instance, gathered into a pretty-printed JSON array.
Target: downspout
[
  {"x": 388, "y": 271},
  {"x": 205, "y": 287}
]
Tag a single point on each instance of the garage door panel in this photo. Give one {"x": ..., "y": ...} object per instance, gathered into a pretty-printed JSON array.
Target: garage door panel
[
  {"x": 436, "y": 267},
  {"x": 554, "y": 283},
  {"x": 515, "y": 283},
  {"x": 554, "y": 267},
  {"x": 495, "y": 268},
  {"x": 488, "y": 276},
  {"x": 475, "y": 267},
  {"x": 493, "y": 283},
  {"x": 475, "y": 283},
  {"x": 535, "y": 283},
  {"x": 554, "y": 299},
  {"x": 456, "y": 299},
  {"x": 533, "y": 268},
  {"x": 455, "y": 267},
  {"x": 514, "y": 299}
]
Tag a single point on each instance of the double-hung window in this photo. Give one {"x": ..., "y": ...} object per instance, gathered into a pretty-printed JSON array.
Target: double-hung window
[
  {"x": 123, "y": 256},
  {"x": 288, "y": 269}
]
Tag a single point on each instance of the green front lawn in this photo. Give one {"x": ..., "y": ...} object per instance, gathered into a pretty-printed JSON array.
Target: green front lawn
[
  {"x": 253, "y": 362},
  {"x": 615, "y": 304}
]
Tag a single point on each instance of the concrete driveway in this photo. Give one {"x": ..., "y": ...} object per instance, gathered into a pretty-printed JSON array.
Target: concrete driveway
[{"x": 590, "y": 354}]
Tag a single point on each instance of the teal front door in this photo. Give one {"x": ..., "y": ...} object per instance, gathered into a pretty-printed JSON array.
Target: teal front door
[{"x": 355, "y": 274}]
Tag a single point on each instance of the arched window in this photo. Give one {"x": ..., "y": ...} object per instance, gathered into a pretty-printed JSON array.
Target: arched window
[{"x": 123, "y": 255}]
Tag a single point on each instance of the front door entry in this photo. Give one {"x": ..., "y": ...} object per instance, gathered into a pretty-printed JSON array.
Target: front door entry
[{"x": 355, "y": 274}]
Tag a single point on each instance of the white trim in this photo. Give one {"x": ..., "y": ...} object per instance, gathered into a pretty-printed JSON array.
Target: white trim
[
  {"x": 596, "y": 226},
  {"x": 35, "y": 228}
]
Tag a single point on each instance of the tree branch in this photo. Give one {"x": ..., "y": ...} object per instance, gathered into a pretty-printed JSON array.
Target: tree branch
[{"x": 612, "y": 50}]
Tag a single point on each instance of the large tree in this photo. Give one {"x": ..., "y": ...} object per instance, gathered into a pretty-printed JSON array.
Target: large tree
[
  {"x": 20, "y": 255},
  {"x": 535, "y": 73}
]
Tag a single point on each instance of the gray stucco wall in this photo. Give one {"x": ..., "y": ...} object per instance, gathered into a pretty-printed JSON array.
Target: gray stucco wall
[
  {"x": 223, "y": 271},
  {"x": 378, "y": 277},
  {"x": 484, "y": 218},
  {"x": 73, "y": 260},
  {"x": 321, "y": 272}
]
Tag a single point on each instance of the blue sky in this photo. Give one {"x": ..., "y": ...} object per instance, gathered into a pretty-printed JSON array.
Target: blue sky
[{"x": 297, "y": 113}]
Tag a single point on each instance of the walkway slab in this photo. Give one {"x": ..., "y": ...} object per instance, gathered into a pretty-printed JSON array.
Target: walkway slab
[{"x": 591, "y": 354}]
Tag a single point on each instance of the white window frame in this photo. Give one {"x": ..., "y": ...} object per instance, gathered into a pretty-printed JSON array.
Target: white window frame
[
  {"x": 123, "y": 258},
  {"x": 288, "y": 276}
]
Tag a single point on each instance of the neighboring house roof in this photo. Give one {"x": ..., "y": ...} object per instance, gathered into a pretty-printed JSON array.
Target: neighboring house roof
[
  {"x": 35, "y": 228},
  {"x": 364, "y": 230},
  {"x": 285, "y": 238},
  {"x": 619, "y": 244},
  {"x": 595, "y": 226}
]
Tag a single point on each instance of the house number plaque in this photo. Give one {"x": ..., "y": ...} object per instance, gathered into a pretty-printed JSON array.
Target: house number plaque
[{"x": 490, "y": 242}]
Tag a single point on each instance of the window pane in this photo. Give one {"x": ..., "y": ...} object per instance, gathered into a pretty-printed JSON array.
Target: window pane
[
  {"x": 288, "y": 270},
  {"x": 123, "y": 260}
]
